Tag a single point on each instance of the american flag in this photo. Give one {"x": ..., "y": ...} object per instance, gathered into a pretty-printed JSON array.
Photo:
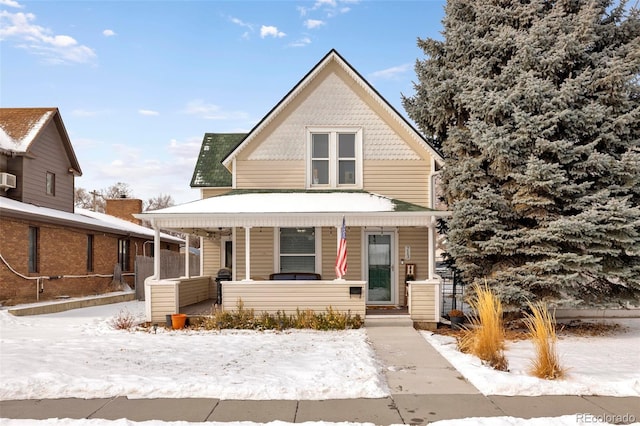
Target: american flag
[{"x": 341, "y": 259}]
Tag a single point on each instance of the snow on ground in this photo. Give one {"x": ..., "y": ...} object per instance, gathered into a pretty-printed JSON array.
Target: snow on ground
[
  {"x": 471, "y": 421},
  {"x": 77, "y": 354},
  {"x": 597, "y": 365}
]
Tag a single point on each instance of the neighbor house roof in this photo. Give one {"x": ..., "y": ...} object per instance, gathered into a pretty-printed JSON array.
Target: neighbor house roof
[
  {"x": 209, "y": 171},
  {"x": 20, "y": 127},
  {"x": 331, "y": 57},
  {"x": 82, "y": 218}
]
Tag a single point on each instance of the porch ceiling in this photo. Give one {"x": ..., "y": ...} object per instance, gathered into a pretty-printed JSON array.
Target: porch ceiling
[{"x": 290, "y": 209}]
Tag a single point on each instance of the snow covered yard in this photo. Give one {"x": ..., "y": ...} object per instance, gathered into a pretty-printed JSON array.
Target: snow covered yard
[
  {"x": 596, "y": 365},
  {"x": 78, "y": 354}
]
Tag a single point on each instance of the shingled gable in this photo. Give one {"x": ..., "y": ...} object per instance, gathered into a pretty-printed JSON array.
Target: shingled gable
[
  {"x": 332, "y": 56},
  {"x": 20, "y": 127},
  {"x": 209, "y": 171}
]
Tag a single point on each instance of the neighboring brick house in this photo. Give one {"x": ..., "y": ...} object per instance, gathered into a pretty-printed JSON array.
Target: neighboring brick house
[{"x": 48, "y": 248}]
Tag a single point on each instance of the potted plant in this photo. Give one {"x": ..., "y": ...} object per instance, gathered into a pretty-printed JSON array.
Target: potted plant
[{"x": 456, "y": 316}]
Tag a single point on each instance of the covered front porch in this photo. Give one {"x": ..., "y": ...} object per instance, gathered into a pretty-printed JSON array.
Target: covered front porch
[{"x": 391, "y": 245}]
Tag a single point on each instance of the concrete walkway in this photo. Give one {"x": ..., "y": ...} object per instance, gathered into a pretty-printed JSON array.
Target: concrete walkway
[{"x": 424, "y": 388}]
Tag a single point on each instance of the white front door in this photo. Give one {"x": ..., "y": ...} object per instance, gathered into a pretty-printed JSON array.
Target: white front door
[{"x": 381, "y": 288}]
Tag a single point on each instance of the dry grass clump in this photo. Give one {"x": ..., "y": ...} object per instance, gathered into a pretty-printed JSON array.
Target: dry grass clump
[
  {"x": 124, "y": 320},
  {"x": 542, "y": 330},
  {"x": 486, "y": 337},
  {"x": 246, "y": 319}
]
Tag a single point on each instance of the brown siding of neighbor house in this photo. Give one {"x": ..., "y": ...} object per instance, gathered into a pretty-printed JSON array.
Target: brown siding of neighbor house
[{"x": 49, "y": 155}]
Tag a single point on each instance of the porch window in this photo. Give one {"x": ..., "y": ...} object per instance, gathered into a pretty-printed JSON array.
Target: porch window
[
  {"x": 297, "y": 250},
  {"x": 335, "y": 158}
]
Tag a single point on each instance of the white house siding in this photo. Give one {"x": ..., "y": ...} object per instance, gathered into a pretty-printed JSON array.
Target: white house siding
[
  {"x": 416, "y": 238},
  {"x": 406, "y": 180},
  {"x": 211, "y": 256},
  {"x": 262, "y": 253},
  {"x": 330, "y": 101},
  {"x": 288, "y": 296},
  {"x": 354, "y": 253},
  {"x": 163, "y": 301},
  {"x": 212, "y": 192},
  {"x": 270, "y": 174},
  {"x": 193, "y": 290}
]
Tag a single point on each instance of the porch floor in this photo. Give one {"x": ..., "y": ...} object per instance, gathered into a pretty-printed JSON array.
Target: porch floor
[{"x": 206, "y": 307}]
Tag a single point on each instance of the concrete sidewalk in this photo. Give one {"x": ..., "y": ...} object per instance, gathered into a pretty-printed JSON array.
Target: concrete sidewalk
[{"x": 424, "y": 388}]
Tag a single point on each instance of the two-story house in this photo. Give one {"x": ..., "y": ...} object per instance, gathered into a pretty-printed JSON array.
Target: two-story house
[
  {"x": 274, "y": 199},
  {"x": 48, "y": 249}
]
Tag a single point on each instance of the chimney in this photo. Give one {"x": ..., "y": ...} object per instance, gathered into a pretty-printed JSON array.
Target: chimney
[{"x": 124, "y": 208}]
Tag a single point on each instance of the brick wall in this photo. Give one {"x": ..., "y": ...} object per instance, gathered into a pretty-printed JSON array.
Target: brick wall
[
  {"x": 61, "y": 251},
  {"x": 124, "y": 208}
]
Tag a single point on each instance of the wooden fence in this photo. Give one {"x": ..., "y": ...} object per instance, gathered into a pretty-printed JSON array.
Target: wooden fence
[{"x": 171, "y": 266}]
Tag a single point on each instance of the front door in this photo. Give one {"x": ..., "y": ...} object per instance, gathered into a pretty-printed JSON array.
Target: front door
[{"x": 381, "y": 288}]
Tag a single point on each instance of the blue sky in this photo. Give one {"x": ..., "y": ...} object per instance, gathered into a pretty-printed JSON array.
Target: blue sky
[{"x": 138, "y": 83}]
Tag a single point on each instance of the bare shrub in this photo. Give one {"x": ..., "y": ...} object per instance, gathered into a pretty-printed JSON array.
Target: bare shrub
[{"x": 124, "y": 320}]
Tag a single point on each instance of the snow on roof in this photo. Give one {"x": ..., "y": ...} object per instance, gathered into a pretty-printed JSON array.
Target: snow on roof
[
  {"x": 19, "y": 126},
  {"x": 286, "y": 202},
  {"x": 84, "y": 217}
]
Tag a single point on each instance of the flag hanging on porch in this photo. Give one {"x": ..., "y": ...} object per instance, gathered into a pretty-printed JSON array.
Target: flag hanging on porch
[{"x": 341, "y": 259}]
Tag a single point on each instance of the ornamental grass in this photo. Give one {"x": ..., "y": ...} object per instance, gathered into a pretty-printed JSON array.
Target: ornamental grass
[
  {"x": 485, "y": 338},
  {"x": 541, "y": 326}
]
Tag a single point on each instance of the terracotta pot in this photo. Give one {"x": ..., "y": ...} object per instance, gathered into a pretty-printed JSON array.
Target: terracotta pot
[{"x": 178, "y": 321}]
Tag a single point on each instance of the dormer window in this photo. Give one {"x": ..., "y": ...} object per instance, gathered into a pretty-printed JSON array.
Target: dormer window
[{"x": 335, "y": 158}]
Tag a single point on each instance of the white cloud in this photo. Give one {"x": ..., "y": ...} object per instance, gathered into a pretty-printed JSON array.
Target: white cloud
[
  {"x": 41, "y": 41},
  {"x": 207, "y": 111},
  {"x": 305, "y": 41},
  {"x": 108, "y": 33},
  {"x": 330, "y": 7},
  {"x": 11, "y": 3},
  {"x": 271, "y": 31},
  {"x": 391, "y": 73},
  {"x": 313, "y": 23},
  {"x": 148, "y": 112},
  {"x": 241, "y": 23}
]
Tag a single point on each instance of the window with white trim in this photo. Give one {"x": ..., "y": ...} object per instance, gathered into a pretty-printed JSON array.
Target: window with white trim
[
  {"x": 335, "y": 158},
  {"x": 297, "y": 250}
]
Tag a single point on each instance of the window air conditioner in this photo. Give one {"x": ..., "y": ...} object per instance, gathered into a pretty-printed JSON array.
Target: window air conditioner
[{"x": 7, "y": 181}]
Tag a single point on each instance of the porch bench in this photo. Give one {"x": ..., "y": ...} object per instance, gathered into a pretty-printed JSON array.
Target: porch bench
[{"x": 294, "y": 276}]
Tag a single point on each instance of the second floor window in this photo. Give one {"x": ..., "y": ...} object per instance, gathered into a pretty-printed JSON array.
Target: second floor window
[
  {"x": 334, "y": 158},
  {"x": 51, "y": 183}
]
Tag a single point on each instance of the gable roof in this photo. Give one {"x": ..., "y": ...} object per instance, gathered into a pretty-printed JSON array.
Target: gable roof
[
  {"x": 332, "y": 56},
  {"x": 20, "y": 127},
  {"x": 209, "y": 171}
]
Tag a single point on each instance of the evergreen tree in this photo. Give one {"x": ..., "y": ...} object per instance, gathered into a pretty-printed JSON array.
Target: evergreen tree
[{"x": 536, "y": 108}]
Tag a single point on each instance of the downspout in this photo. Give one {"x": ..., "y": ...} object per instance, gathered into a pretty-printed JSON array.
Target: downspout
[
  {"x": 187, "y": 272},
  {"x": 156, "y": 252}
]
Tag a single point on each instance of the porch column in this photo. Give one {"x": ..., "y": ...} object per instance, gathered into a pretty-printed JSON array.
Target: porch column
[
  {"x": 247, "y": 253},
  {"x": 156, "y": 253},
  {"x": 187, "y": 272},
  {"x": 432, "y": 247}
]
